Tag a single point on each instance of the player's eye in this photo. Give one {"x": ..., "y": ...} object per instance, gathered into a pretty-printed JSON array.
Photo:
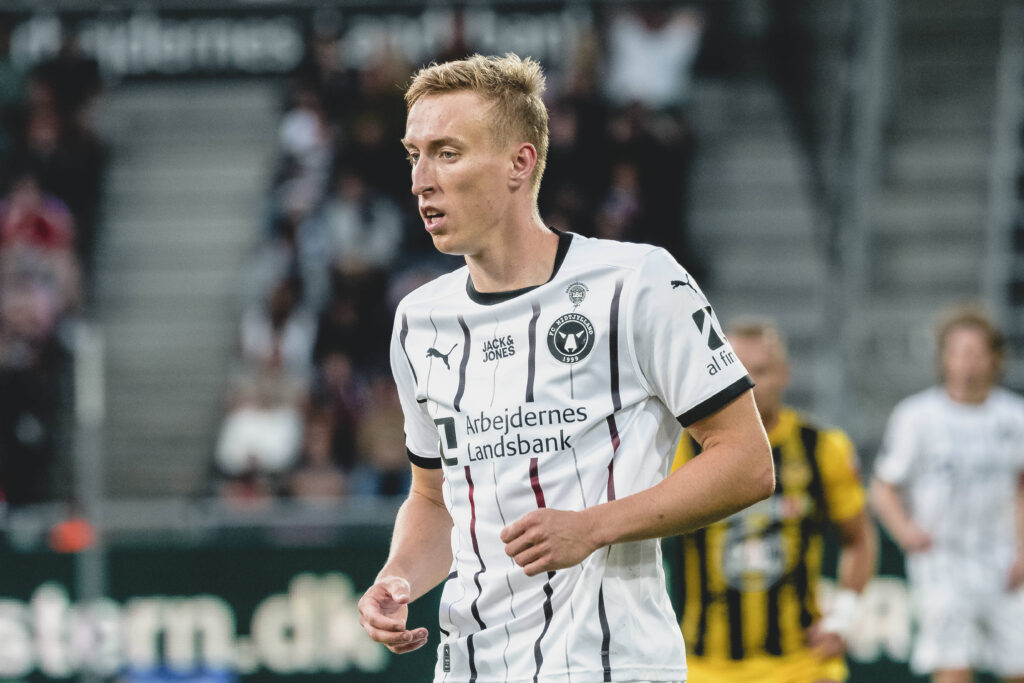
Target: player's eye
[
  {"x": 412, "y": 158},
  {"x": 447, "y": 155}
]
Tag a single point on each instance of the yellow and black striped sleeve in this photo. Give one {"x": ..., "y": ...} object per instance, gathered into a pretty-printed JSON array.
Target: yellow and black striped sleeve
[{"x": 840, "y": 474}]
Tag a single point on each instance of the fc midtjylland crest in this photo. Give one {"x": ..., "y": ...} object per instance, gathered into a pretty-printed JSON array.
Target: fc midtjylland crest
[{"x": 571, "y": 338}]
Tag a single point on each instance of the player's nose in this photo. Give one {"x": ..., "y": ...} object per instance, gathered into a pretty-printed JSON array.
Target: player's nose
[{"x": 423, "y": 180}]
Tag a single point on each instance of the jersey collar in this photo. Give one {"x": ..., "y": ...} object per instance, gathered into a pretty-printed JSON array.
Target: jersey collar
[{"x": 491, "y": 298}]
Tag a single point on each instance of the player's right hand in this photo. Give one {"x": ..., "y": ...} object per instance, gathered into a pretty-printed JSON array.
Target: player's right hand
[{"x": 383, "y": 611}]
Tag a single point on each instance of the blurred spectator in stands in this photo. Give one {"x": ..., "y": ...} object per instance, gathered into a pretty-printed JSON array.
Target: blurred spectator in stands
[
  {"x": 572, "y": 174},
  {"x": 61, "y": 140},
  {"x": 651, "y": 51},
  {"x": 72, "y": 75},
  {"x": 620, "y": 215},
  {"x": 278, "y": 332},
  {"x": 355, "y": 320},
  {"x": 31, "y": 359},
  {"x": 306, "y": 138},
  {"x": 260, "y": 438},
  {"x": 377, "y": 123},
  {"x": 318, "y": 476},
  {"x": 458, "y": 45},
  {"x": 323, "y": 67},
  {"x": 383, "y": 468},
  {"x": 355, "y": 230},
  {"x": 37, "y": 232},
  {"x": 650, "y": 126},
  {"x": 12, "y": 98},
  {"x": 340, "y": 392}
]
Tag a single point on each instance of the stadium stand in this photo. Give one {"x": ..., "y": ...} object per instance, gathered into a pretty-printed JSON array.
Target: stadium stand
[{"x": 182, "y": 213}]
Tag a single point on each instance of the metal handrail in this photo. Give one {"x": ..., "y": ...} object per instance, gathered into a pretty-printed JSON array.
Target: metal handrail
[
  {"x": 871, "y": 84},
  {"x": 1004, "y": 164}
]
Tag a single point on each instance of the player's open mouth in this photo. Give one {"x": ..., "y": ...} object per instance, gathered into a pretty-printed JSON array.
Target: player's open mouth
[{"x": 431, "y": 218}]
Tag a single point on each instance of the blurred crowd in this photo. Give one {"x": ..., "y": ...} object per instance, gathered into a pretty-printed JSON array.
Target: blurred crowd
[
  {"x": 51, "y": 170},
  {"x": 313, "y": 412}
]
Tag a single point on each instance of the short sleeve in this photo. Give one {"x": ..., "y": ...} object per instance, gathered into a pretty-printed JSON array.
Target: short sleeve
[
  {"x": 421, "y": 436},
  {"x": 680, "y": 348},
  {"x": 840, "y": 475},
  {"x": 895, "y": 459}
]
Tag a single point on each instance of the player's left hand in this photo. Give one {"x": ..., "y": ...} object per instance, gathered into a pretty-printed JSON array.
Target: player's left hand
[
  {"x": 825, "y": 644},
  {"x": 545, "y": 539},
  {"x": 1016, "y": 579}
]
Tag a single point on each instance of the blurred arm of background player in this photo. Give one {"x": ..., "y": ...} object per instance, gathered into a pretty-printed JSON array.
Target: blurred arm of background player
[
  {"x": 420, "y": 558},
  {"x": 858, "y": 556},
  {"x": 887, "y": 500},
  {"x": 735, "y": 471},
  {"x": 1017, "y": 572}
]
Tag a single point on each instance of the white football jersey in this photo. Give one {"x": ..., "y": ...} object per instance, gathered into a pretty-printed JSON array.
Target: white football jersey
[
  {"x": 565, "y": 395},
  {"x": 958, "y": 464}
]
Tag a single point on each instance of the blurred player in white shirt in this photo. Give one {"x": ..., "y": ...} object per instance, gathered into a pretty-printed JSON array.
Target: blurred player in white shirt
[{"x": 949, "y": 488}]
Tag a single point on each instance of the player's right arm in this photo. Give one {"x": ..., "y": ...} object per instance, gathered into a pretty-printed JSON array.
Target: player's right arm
[
  {"x": 420, "y": 558},
  {"x": 421, "y": 554},
  {"x": 887, "y": 501},
  {"x": 893, "y": 468}
]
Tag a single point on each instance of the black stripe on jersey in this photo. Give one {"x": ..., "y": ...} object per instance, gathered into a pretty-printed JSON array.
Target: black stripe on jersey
[
  {"x": 531, "y": 371},
  {"x": 700, "y": 540},
  {"x": 425, "y": 463},
  {"x": 462, "y": 365},
  {"x": 734, "y": 603},
  {"x": 611, "y": 481},
  {"x": 716, "y": 402},
  {"x": 472, "y": 658},
  {"x": 613, "y": 432},
  {"x": 606, "y": 634},
  {"x": 476, "y": 549},
  {"x": 808, "y": 526},
  {"x": 401, "y": 339},
  {"x": 549, "y": 612},
  {"x": 538, "y": 656},
  {"x": 773, "y": 632},
  {"x": 476, "y": 579},
  {"x": 613, "y": 343}
]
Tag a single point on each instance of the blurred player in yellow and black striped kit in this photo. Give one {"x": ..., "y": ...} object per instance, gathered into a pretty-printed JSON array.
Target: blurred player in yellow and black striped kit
[{"x": 748, "y": 584}]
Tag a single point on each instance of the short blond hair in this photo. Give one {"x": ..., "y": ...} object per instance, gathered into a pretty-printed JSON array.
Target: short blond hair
[
  {"x": 514, "y": 85},
  {"x": 973, "y": 316},
  {"x": 753, "y": 328}
]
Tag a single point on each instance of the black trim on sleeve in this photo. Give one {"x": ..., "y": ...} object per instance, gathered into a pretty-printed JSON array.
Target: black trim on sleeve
[
  {"x": 425, "y": 463},
  {"x": 719, "y": 400}
]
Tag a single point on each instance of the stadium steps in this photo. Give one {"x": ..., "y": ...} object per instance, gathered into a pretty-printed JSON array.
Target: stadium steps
[
  {"x": 752, "y": 219},
  {"x": 928, "y": 228},
  {"x": 183, "y": 209}
]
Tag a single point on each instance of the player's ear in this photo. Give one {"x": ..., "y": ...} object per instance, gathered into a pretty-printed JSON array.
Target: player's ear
[{"x": 523, "y": 161}]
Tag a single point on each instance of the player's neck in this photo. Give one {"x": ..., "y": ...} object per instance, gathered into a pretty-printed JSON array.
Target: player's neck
[
  {"x": 964, "y": 392},
  {"x": 520, "y": 256}
]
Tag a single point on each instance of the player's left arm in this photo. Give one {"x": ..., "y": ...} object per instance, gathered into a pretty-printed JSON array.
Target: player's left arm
[
  {"x": 845, "y": 501},
  {"x": 858, "y": 558},
  {"x": 1017, "y": 571},
  {"x": 734, "y": 471}
]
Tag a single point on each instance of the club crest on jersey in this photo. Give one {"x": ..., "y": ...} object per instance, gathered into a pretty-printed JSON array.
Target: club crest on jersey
[
  {"x": 571, "y": 338},
  {"x": 577, "y": 292}
]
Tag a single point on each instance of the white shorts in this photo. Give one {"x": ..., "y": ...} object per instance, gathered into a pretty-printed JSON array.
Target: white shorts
[{"x": 966, "y": 619}]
